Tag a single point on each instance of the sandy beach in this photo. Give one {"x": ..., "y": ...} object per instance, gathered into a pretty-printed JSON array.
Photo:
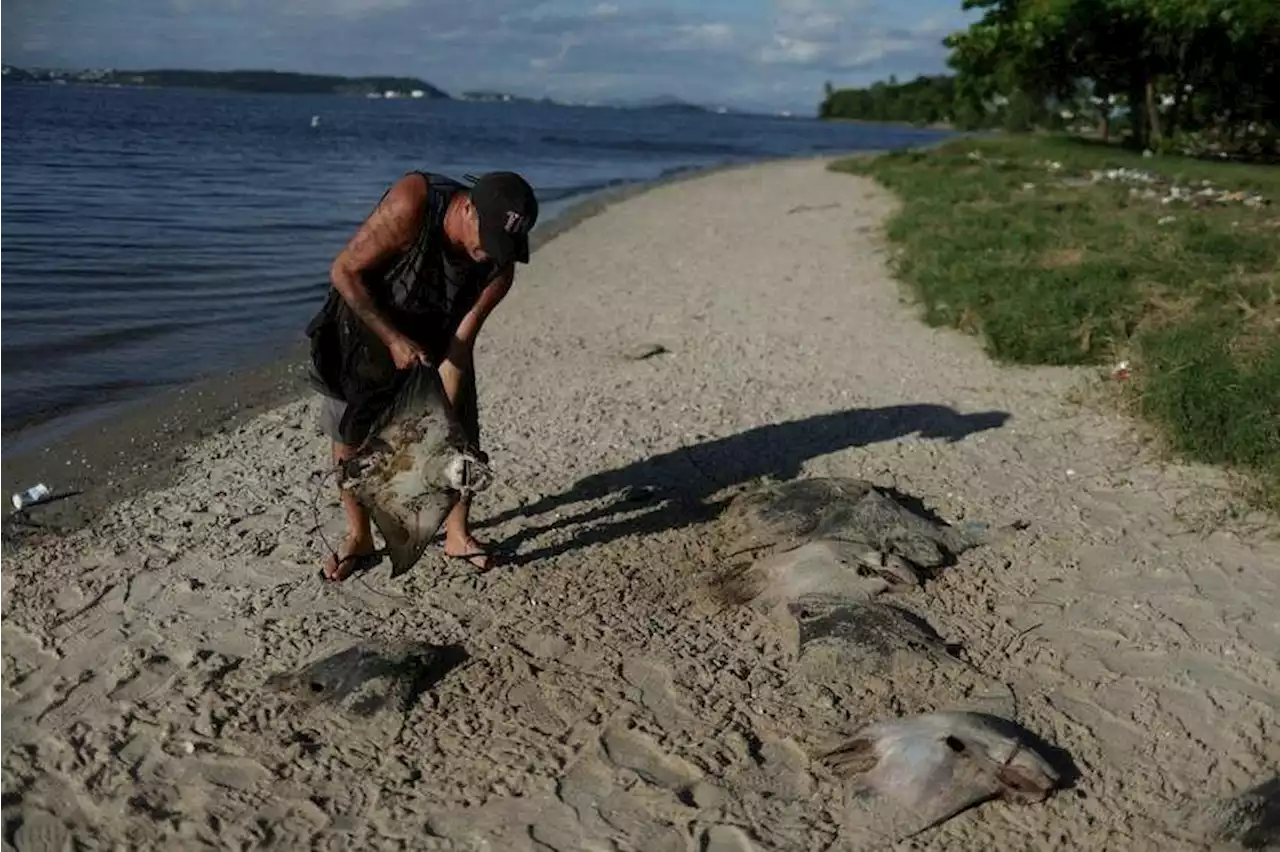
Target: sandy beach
[{"x": 650, "y": 362}]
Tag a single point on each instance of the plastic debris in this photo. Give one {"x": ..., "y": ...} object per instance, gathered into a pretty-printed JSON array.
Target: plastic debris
[
  {"x": 35, "y": 494},
  {"x": 1197, "y": 195}
]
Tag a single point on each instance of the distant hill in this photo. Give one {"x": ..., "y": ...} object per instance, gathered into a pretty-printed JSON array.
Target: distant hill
[
  {"x": 283, "y": 82},
  {"x": 13, "y": 74},
  {"x": 665, "y": 103}
]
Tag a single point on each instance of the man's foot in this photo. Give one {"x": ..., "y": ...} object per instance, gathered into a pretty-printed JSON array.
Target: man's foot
[
  {"x": 466, "y": 547},
  {"x": 354, "y": 554}
]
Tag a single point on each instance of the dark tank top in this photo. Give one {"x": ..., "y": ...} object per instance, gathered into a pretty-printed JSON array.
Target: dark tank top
[
  {"x": 424, "y": 292},
  {"x": 427, "y": 290}
]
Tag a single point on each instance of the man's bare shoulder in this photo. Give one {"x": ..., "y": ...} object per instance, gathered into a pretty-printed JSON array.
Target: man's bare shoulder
[
  {"x": 406, "y": 197},
  {"x": 390, "y": 228}
]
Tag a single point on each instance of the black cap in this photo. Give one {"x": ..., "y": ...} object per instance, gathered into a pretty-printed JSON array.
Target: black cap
[{"x": 508, "y": 210}]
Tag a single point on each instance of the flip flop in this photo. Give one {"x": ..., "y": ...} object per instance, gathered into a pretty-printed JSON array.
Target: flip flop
[
  {"x": 489, "y": 552},
  {"x": 363, "y": 560}
]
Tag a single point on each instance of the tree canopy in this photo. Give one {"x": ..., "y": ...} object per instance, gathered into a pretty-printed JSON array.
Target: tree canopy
[
  {"x": 1162, "y": 67},
  {"x": 924, "y": 100}
]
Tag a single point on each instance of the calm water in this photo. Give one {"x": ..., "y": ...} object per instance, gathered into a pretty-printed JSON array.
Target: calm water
[{"x": 155, "y": 236}]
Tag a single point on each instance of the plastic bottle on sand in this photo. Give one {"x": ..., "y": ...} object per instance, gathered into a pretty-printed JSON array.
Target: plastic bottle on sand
[{"x": 34, "y": 494}]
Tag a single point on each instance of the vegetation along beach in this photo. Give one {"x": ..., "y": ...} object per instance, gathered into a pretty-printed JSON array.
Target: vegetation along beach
[{"x": 901, "y": 475}]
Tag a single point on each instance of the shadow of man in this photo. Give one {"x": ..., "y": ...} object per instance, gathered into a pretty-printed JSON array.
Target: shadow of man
[{"x": 672, "y": 489}]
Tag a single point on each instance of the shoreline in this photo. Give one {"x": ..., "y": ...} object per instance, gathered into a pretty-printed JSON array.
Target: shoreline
[{"x": 117, "y": 457}]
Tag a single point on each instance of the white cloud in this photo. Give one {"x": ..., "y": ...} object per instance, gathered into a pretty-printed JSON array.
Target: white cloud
[
  {"x": 843, "y": 35},
  {"x": 341, "y": 8},
  {"x": 712, "y": 35},
  {"x": 786, "y": 50},
  {"x": 543, "y": 63}
]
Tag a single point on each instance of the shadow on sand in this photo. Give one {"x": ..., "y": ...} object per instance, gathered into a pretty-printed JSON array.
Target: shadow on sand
[{"x": 671, "y": 490}]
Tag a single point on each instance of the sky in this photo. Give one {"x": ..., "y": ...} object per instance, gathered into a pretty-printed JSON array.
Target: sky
[{"x": 754, "y": 54}]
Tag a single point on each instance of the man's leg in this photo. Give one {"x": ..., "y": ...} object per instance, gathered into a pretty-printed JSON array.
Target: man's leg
[
  {"x": 458, "y": 541},
  {"x": 359, "y": 538}
]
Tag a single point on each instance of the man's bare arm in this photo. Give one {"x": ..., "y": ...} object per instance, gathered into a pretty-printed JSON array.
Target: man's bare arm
[
  {"x": 390, "y": 228},
  {"x": 458, "y": 358}
]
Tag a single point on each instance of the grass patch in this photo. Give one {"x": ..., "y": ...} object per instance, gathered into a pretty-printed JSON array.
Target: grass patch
[{"x": 1016, "y": 239}]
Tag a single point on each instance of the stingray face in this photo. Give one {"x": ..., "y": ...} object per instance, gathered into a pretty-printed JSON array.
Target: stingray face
[{"x": 939, "y": 764}]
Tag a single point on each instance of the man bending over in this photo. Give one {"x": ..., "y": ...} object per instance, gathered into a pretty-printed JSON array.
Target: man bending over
[{"x": 414, "y": 285}]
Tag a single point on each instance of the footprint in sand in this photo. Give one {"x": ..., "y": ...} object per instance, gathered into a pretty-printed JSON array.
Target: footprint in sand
[
  {"x": 629, "y": 749},
  {"x": 657, "y": 695},
  {"x": 150, "y": 672},
  {"x": 40, "y": 831},
  {"x": 232, "y": 773},
  {"x": 633, "y": 818}
]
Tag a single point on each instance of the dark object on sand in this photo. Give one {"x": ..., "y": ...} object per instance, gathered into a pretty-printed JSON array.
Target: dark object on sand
[
  {"x": 834, "y": 538},
  {"x": 369, "y": 677},
  {"x": 939, "y": 764},
  {"x": 643, "y": 351},
  {"x": 1250, "y": 820},
  {"x": 817, "y": 556},
  {"x": 413, "y": 467}
]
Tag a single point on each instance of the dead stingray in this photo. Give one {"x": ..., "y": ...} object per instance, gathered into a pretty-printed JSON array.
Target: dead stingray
[
  {"x": 413, "y": 467},
  {"x": 835, "y": 538},
  {"x": 1249, "y": 820},
  {"x": 367, "y": 678},
  {"x": 875, "y": 628},
  {"x": 937, "y": 765},
  {"x": 824, "y": 594},
  {"x": 886, "y": 655}
]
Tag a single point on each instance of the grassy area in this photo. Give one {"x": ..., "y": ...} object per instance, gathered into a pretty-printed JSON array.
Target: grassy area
[{"x": 1016, "y": 240}]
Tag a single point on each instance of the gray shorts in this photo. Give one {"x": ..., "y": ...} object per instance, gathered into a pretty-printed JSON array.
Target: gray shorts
[
  {"x": 468, "y": 411},
  {"x": 331, "y": 411}
]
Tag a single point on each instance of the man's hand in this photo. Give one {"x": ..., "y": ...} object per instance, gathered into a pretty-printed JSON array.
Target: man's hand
[{"x": 406, "y": 353}]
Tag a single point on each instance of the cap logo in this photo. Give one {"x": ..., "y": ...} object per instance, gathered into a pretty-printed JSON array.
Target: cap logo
[{"x": 514, "y": 224}]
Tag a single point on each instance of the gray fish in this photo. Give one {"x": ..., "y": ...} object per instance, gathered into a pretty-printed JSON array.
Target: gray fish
[
  {"x": 816, "y": 570},
  {"x": 369, "y": 677},
  {"x": 836, "y": 539},
  {"x": 411, "y": 470},
  {"x": 939, "y": 764}
]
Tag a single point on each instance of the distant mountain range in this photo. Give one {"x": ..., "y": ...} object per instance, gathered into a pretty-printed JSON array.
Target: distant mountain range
[
  {"x": 660, "y": 102},
  {"x": 289, "y": 82},
  {"x": 666, "y": 103},
  {"x": 284, "y": 82}
]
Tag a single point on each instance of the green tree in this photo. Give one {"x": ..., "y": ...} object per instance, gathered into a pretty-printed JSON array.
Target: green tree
[
  {"x": 924, "y": 100},
  {"x": 1177, "y": 63}
]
